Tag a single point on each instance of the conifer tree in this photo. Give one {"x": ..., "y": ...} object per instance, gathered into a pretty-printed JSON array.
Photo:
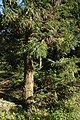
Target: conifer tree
[{"x": 47, "y": 33}]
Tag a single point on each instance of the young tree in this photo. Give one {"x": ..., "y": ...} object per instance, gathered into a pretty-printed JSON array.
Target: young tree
[{"x": 24, "y": 25}]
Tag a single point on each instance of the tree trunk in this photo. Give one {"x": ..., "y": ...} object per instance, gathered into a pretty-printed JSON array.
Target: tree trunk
[
  {"x": 40, "y": 65},
  {"x": 28, "y": 78}
]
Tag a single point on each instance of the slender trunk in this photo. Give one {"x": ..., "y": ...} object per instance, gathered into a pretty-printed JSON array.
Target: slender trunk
[
  {"x": 40, "y": 65},
  {"x": 28, "y": 78}
]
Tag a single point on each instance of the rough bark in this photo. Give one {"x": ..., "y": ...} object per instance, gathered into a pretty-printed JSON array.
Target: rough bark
[{"x": 28, "y": 78}]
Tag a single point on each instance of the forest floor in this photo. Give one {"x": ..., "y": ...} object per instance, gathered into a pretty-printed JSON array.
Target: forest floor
[
  {"x": 11, "y": 94},
  {"x": 11, "y": 104}
]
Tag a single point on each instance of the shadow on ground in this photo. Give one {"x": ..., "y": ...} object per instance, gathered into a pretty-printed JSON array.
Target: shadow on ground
[{"x": 10, "y": 91}]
